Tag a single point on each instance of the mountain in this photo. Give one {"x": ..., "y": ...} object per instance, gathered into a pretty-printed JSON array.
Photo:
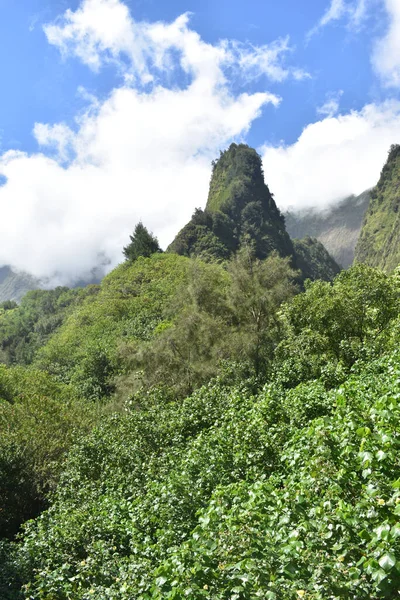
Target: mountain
[
  {"x": 379, "y": 241},
  {"x": 13, "y": 286},
  {"x": 241, "y": 210},
  {"x": 338, "y": 227}
]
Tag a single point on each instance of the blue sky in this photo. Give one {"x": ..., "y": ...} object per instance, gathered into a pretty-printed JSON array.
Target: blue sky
[
  {"x": 39, "y": 87},
  {"x": 111, "y": 111}
]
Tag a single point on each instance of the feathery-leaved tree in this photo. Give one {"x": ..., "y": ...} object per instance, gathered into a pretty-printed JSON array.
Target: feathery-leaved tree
[{"x": 143, "y": 243}]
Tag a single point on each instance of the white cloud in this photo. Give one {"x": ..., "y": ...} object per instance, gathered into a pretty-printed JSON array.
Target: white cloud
[
  {"x": 333, "y": 158},
  {"x": 143, "y": 153},
  {"x": 58, "y": 137},
  {"x": 331, "y": 106},
  {"x": 103, "y": 30},
  {"x": 255, "y": 61},
  {"x": 353, "y": 11},
  {"x": 336, "y": 10},
  {"x": 97, "y": 26},
  {"x": 386, "y": 56}
]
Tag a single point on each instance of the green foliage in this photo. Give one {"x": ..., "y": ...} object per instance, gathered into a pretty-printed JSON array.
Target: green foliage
[
  {"x": 215, "y": 316},
  {"x": 258, "y": 289},
  {"x": 282, "y": 495},
  {"x": 129, "y": 307},
  {"x": 326, "y": 526},
  {"x": 277, "y": 478},
  {"x": 27, "y": 327},
  {"x": 142, "y": 243},
  {"x": 39, "y": 420},
  {"x": 8, "y": 305},
  {"x": 379, "y": 241},
  {"x": 189, "y": 344},
  {"x": 10, "y": 572},
  {"x": 314, "y": 261},
  {"x": 330, "y": 326}
]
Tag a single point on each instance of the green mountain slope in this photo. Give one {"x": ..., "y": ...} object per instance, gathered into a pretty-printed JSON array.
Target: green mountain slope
[
  {"x": 379, "y": 241},
  {"x": 240, "y": 208},
  {"x": 338, "y": 228},
  {"x": 127, "y": 308},
  {"x": 280, "y": 491}
]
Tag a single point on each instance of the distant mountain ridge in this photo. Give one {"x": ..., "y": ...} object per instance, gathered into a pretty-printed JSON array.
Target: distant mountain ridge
[
  {"x": 379, "y": 241},
  {"x": 338, "y": 227},
  {"x": 14, "y": 285}
]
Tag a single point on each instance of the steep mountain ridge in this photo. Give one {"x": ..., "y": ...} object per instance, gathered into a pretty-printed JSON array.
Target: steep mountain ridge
[
  {"x": 337, "y": 228},
  {"x": 241, "y": 210},
  {"x": 379, "y": 241}
]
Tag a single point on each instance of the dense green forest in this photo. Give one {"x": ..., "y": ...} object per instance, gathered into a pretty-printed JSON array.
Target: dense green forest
[
  {"x": 379, "y": 241},
  {"x": 203, "y": 425}
]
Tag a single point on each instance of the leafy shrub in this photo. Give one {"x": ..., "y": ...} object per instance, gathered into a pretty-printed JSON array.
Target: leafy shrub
[{"x": 39, "y": 420}]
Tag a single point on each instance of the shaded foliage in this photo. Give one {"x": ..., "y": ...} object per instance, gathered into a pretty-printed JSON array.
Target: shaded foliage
[
  {"x": 39, "y": 420},
  {"x": 314, "y": 261}
]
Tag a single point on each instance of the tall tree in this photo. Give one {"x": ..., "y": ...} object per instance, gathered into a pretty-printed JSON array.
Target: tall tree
[
  {"x": 258, "y": 288},
  {"x": 143, "y": 243}
]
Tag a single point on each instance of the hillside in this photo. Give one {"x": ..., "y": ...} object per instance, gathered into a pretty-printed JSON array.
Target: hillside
[
  {"x": 337, "y": 228},
  {"x": 313, "y": 259},
  {"x": 379, "y": 241},
  {"x": 283, "y": 486}
]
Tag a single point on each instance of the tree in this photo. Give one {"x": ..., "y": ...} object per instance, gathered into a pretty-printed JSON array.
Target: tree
[
  {"x": 258, "y": 288},
  {"x": 332, "y": 325},
  {"x": 143, "y": 243}
]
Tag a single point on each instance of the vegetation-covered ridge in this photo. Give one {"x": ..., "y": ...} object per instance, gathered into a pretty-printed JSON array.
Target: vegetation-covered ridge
[
  {"x": 240, "y": 211},
  {"x": 379, "y": 242},
  {"x": 240, "y": 208}
]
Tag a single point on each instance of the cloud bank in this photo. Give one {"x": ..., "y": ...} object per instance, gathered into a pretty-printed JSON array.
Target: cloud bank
[
  {"x": 386, "y": 55},
  {"x": 333, "y": 158},
  {"x": 143, "y": 153}
]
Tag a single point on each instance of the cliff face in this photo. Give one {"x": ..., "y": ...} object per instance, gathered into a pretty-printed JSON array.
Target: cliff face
[
  {"x": 240, "y": 208},
  {"x": 338, "y": 228},
  {"x": 379, "y": 241}
]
